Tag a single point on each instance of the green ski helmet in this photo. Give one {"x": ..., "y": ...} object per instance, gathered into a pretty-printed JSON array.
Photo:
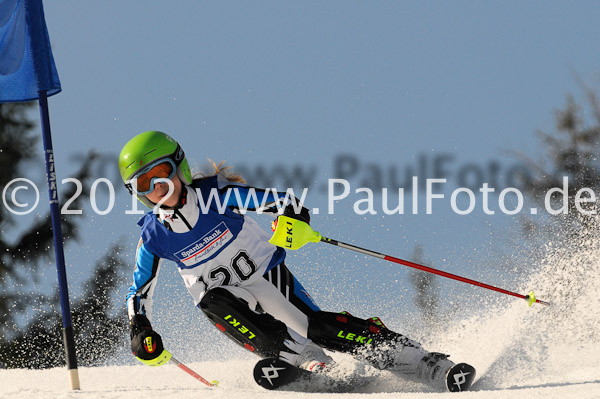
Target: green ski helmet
[{"x": 149, "y": 147}]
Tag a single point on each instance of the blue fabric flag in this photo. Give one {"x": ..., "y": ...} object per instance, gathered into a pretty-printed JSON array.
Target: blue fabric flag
[{"x": 26, "y": 62}]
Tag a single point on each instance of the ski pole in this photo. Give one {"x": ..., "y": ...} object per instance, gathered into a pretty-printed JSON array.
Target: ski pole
[
  {"x": 166, "y": 357},
  {"x": 531, "y": 299},
  {"x": 292, "y": 234},
  {"x": 191, "y": 372}
]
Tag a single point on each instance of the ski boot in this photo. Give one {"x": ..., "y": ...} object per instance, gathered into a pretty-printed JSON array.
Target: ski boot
[
  {"x": 438, "y": 372},
  {"x": 303, "y": 353},
  {"x": 313, "y": 358}
]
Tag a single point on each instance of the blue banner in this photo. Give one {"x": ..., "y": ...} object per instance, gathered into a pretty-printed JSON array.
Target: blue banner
[{"x": 26, "y": 62}]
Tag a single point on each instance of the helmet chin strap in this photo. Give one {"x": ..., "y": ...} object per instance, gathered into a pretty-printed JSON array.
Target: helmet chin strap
[{"x": 182, "y": 198}]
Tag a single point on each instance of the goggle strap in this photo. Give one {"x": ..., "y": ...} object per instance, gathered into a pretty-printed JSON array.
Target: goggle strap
[
  {"x": 129, "y": 188},
  {"x": 178, "y": 156}
]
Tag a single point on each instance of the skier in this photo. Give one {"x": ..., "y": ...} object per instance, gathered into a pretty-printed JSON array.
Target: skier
[{"x": 239, "y": 280}]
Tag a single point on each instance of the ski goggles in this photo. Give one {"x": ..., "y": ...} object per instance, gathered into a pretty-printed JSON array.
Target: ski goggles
[{"x": 143, "y": 182}]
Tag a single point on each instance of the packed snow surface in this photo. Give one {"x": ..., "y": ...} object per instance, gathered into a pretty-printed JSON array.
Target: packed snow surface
[{"x": 125, "y": 382}]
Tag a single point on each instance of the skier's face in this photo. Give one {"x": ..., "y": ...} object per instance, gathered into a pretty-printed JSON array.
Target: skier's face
[{"x": 161, "y": 190}]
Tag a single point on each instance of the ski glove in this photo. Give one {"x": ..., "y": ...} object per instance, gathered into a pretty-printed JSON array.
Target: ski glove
[
  {"x": 146, "y": 344},
  {"x": 303, "y": 215}
]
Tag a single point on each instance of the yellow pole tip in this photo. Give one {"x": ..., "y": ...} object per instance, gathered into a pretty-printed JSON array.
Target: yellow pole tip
[{"x": 531, "y": 299}]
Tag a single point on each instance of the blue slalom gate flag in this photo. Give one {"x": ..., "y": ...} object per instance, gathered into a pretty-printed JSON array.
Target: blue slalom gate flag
[{"x": 26, "y": 62}]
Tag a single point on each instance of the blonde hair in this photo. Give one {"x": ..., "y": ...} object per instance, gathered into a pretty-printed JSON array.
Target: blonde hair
[{"x": 213, "y": 169}]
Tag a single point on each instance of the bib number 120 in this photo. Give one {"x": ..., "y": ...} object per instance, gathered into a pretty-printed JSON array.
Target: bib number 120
[{"x": 240, "y": 269}]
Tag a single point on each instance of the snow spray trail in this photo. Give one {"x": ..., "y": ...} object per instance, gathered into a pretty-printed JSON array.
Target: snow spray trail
[
  {"x": 517, "y": 346},
  {"x": 510, "y": 344}
]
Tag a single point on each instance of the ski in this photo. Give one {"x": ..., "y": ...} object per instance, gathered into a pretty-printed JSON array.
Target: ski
[
  {"x": 272, "y": 373},
  {"x": 460, "y": 377},
  {"x": 276, "y": 374}
]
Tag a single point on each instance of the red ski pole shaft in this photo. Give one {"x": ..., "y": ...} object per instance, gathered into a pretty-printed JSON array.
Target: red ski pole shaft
[
  {"x": 425, "y": 268},
  {"x": 193, "y": 373}
]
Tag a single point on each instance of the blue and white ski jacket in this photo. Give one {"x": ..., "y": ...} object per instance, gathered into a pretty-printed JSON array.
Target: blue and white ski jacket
[{"x": 210, "y": 241}]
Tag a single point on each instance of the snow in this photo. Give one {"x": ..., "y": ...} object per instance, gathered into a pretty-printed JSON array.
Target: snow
[
  {"x": 548, "y": 352},
  {"x": 168, "y": 382}
]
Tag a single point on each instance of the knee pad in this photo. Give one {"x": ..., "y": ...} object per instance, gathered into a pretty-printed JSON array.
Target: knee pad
[
  {"x": 341, "y": 332},
  {"x": 366, "y": 339},
  {"x": 260, "y": 333}
]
